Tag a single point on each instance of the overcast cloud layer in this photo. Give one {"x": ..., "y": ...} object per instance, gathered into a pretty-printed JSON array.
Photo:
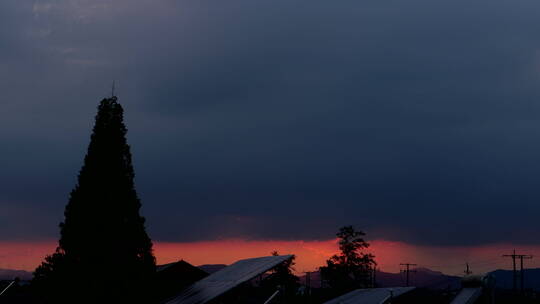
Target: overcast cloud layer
[{"x": 414, "y": 120}]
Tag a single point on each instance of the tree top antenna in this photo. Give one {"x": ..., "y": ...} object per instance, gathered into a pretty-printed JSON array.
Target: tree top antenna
[{"x": 112, "y": 91}]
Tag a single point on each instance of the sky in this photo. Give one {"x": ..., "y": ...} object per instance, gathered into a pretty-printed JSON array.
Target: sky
[
  {"x": 310, "y": 255},
  {"x": 280, "y": 121}
]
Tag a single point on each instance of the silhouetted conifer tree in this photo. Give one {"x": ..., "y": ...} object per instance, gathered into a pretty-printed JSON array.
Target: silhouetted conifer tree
[
  {"x": 350, "y": 269},
  {"x": 104, "y": 253}
]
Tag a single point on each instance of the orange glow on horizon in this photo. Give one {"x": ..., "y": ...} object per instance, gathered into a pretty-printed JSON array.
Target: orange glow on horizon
[{"x": 310, "y": 254}]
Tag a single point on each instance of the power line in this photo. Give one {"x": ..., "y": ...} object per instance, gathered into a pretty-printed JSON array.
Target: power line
[
  {"x": 477, "y": 264},
  {"x": 515, "y": 275},
  {"x": 407, "y": 270}
]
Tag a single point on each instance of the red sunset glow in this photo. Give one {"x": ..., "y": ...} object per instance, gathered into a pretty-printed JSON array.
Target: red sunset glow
[{"x": 310, "y": 254}]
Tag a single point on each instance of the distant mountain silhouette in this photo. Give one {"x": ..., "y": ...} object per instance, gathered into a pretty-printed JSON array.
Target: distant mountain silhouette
[
  {"x": 423, "y": 277},
  {"x": 211, "y": 268},
  {"x": 503, "y": 278},
  {"x": 10, "y": 274}
]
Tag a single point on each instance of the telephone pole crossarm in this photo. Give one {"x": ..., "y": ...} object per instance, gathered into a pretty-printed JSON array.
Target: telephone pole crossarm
[
  {"x": 408, "y": 270},
  {"x": 517, "y": 276}
]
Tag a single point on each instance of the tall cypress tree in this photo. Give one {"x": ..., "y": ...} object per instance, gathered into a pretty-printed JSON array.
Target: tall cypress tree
[{"x": 104, "y": 253}]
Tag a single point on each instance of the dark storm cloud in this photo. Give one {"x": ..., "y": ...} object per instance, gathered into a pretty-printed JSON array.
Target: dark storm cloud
[{"x": 414, "y": 120}]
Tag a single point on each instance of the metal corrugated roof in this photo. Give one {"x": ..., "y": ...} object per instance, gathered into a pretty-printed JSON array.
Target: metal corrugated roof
[
  {"x": 467, "y": 296},
  {"x": 227, "y": 278},
  {"x": 370, "y": 296}
]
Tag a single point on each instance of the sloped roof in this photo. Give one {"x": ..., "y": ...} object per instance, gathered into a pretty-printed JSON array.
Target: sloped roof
[
  {"x": 180, "y": 265},
  {"x": 370, "y": 296},
  {"x": 174, "y": 277},
  {"x": 467, "y": 296},
  {"x": 226, "y": 279}
]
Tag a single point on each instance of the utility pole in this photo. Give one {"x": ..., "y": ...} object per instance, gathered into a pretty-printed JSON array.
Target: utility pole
[
  {"x": 467, "y": 271},
  {"x": 515, "y": 276},
  {"x": 521, "y": 279},
  {"x": 407, "y": 270},
  {"x": 374, "y": 283},
  {"x": 514, "y": 273},
  {"x": 308, "y": 283}
]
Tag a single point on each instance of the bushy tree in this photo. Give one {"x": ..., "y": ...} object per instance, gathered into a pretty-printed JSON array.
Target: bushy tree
[
  {"x": 282, "y": 277},
  {"x": 104, "y": 253},
  {"x": 351, "y": 268}
]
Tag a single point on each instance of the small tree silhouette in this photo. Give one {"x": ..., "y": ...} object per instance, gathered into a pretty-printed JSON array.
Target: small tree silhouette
[
  {"x": 104, "y": 254},
  {"x": 352, "y": 267},
  {"x": 282, "y": 276}
]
